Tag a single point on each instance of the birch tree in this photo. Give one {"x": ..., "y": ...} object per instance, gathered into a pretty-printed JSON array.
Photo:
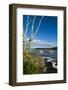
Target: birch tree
[
  {"x": 33, "y": 34},
  {"x": 24, "y": 35}
]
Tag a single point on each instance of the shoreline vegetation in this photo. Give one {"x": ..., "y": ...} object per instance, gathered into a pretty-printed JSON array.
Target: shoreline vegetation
[
  {"x": 32, "y": 63},
  {"x": 36, "y": 64}
]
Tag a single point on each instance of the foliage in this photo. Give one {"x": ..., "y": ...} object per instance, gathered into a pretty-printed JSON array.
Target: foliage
[{"x": 32, "y": 64}]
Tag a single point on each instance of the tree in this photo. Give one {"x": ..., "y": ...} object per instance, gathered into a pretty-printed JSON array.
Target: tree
[{"x": 32, "y": 29}]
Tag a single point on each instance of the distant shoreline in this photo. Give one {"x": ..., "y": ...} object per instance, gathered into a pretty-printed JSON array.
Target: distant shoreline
[{"x": 53, "y": 48}]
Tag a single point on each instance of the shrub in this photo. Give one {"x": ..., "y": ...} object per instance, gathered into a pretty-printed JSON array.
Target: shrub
[{"x": 32, "y": 64}]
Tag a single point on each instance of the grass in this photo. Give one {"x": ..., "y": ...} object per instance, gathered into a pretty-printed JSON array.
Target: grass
[{"x": 32, "y": 64}]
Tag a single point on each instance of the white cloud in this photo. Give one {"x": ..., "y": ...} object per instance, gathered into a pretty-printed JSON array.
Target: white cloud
[{"x": 41, "y": 44}]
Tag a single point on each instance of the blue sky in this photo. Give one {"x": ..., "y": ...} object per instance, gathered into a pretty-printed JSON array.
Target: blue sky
[{"x": 47, "y": 32}]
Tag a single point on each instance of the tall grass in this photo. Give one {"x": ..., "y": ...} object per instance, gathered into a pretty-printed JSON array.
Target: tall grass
[{"x": 32, "y": 64}]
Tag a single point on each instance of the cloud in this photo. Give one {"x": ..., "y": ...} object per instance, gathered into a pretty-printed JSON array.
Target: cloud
[
  {"x": 40, "y": 43},
  {"x": 36, "y": 43}
]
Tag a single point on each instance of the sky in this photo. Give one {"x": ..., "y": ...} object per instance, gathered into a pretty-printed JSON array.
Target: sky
[{"x": 47, "y": 32}]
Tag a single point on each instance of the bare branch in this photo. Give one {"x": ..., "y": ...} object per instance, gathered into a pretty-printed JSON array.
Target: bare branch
[
  {"x": 33, "y": 25},
  {"x": 38, "y": 26},
  {"x": 27, "y": 24}
]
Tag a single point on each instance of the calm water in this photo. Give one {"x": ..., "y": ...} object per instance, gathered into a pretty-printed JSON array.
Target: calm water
[
  {"x": 51, "y": 54},
  {"x": 48, "y": 53}
]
